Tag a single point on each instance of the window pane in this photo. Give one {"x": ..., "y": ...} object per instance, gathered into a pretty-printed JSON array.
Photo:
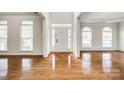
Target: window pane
[
  {"x": 26, "y": 44},
  {"x": 86, "y": 43},
  {"x": 27, "y": 31},
  {"x": 107, "y": 35},
  {"x": 107, "y": 29},
  {"x": 3, "y": 38},
  {"x": 86, "y": 29},
  {"x": 3, "y": 44},
  {"x": 26, "y": 36},
  {"x": 86, "y": 35},
  {"x": 27, "y": 22},
  {"x": 107, "y": 43},
  {"x": 3, "y": 31}
]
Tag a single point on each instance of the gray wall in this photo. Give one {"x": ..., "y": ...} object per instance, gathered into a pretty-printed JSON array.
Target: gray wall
[
  {"x": 121, "y": 36},
  {"x": 97, "y": 36},
  {"x": 14, "y": 26},
  {"x": 61, "y": 17}
]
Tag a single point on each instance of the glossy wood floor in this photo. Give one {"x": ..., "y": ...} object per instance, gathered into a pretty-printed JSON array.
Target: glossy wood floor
[{"x": 64, "y": 66}]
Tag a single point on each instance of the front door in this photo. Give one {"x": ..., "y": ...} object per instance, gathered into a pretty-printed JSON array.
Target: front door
[{"x": 61, "y": 40}]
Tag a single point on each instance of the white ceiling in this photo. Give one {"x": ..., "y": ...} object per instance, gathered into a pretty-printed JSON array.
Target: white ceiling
[{"x": 109, "y": 17}]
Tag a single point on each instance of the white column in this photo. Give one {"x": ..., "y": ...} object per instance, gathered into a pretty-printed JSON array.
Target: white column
[
  {"x": 46, "y": 36},
  {"x": 76, "y": 36}
]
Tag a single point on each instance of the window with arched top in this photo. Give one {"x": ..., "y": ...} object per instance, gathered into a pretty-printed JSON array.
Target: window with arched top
[
  {"x": 86, "y": 29},
  {"x": 86, "y": 37},
  {"x": 107, "y": 37}
]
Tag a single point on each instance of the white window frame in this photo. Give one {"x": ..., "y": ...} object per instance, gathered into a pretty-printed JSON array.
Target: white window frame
[
  {"x": 5, "y": 38},
  {"x": 86, "y": 30},
  {"x": 26, "y": 23},
  {"x": 106, "y": 30}
]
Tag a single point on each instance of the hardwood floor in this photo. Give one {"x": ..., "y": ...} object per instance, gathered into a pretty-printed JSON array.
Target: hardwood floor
[{"x": 64, "y": 66}]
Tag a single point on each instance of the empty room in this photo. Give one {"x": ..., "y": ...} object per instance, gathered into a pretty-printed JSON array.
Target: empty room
[{"x": 61, "y": 45}]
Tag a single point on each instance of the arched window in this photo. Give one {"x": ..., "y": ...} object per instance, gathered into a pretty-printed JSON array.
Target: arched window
[
  {"x": 107, "y": 37},
  {"x": 86, "y": 37}
]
